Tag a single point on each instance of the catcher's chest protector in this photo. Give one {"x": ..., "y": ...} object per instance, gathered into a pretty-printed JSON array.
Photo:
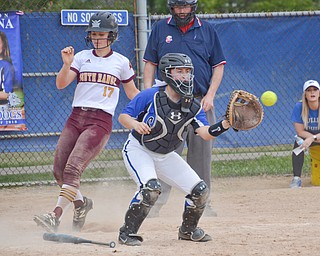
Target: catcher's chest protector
[{"x": 171, "y": 122}]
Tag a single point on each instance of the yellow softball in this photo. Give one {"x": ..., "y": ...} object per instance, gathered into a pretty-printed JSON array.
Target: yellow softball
[{"x": 269, "y": 98}]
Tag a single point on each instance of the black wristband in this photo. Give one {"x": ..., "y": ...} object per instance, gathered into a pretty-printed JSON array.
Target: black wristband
[{"x": 216, "y": 129}]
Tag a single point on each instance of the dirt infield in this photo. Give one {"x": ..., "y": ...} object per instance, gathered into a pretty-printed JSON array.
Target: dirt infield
[{"x": 256, "y": 216}]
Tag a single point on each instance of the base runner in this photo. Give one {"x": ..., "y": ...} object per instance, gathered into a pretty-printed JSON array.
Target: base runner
[{"x": 99, "y": 73}]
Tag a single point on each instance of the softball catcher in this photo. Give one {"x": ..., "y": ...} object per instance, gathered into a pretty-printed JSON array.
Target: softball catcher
[{"x": 158, "y": 118}]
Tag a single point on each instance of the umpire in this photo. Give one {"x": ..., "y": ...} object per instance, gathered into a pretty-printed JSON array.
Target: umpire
[{"x": 185, "y": 33}]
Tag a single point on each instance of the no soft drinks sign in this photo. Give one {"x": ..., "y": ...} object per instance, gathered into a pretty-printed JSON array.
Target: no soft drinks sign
[{"x": 82, "y": 17}]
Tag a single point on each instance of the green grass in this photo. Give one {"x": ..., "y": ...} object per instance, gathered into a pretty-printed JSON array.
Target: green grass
[
  {"x": 263, "y": 165},
  {"x": 273, "y": 148},
  {"x": 88, "y": 174},
  {"x": 14, "y": 178},
  {"x": 23, "y": 159}
]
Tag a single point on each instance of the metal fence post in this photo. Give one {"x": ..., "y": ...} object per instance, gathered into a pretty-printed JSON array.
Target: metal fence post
[{"x": 142, "y": 35}]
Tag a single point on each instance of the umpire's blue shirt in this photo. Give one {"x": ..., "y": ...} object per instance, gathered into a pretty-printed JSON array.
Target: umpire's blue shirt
[{"x": 201, "y": 43}]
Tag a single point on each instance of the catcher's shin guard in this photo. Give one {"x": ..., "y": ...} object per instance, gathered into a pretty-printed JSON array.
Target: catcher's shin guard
[
  {"x": 133, "y": 220},
  {"x": 138, "y": 211},
  {"x": 195, "y": 204}
]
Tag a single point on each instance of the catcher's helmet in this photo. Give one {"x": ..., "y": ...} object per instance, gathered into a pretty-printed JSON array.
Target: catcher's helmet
[
  {"x": 181, "y": 22},
  {"x": 182, "y": 87},
  {"x": 103, "y": 22}
]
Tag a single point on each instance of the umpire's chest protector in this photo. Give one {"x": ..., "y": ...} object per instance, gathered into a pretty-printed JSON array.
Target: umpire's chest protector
[{"x": 171, "y": 122}]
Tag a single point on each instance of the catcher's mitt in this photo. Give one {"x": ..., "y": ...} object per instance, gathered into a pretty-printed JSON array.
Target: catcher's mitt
[{"x": 244, "y": 111}]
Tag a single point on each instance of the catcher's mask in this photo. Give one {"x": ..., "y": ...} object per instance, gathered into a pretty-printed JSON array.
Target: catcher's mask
[
  {"x": 184, "y": 87},
  {"x": 102, "y": 22},
  {"x": 181, "y": 22}
]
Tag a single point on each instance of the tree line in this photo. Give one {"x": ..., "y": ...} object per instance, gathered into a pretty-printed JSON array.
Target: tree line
[
  {"x": 241, "y": 6},
  {"x": 160, "y": 6}
]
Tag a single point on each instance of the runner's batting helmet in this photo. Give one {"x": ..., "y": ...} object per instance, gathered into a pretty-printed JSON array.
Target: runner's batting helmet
[
  {"x": 103, "y": 22},
  {"x": 181, "y": 22}
]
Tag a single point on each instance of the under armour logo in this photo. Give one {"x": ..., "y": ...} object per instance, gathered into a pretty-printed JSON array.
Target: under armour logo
[
  {"x": 175, "y": 115},
  {"x": 218, "y": 129}
]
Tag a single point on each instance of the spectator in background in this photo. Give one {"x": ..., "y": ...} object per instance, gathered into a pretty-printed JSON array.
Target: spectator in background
[
  {"x": 185, "y": 33},
  {"x": 305, "y": 117}
]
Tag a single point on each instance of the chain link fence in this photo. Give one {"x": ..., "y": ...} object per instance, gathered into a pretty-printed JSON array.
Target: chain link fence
[
  {"x": 264, "y": 51},
  {"x": 277, "y": 52},
  {"x": 29, "y": 6},
  {"x": 26, "y": 157}
]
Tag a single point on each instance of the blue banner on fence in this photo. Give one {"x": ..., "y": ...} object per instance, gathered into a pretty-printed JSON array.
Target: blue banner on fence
[
  {"x": 12, "y": 114},
  {"x": 82, "y": 17}
]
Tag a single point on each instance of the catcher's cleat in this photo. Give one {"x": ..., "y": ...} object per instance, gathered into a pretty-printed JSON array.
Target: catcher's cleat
[
  {"x": 196, "y": 236},
  {"x": 80, "y": 214},
  {"x": 130, "y": 240},
  {"x": 296, "y": 182},
  {"x": 48, "y": 221}
]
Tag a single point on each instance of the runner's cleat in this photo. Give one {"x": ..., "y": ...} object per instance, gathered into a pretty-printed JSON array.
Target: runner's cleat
[
  {"x": 80, "y": 214},
  {"x": 48, "y": 221}
]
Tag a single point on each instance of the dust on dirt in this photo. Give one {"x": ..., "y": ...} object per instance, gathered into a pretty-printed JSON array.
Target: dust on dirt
[{"x": 256, "y": 216}]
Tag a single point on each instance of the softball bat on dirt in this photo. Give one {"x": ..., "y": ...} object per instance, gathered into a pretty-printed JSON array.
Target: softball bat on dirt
[{"x": 64, "y": 238}]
